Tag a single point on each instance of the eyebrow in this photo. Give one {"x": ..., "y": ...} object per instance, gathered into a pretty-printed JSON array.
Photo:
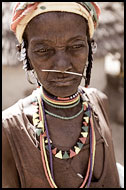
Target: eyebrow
[
  {"x": 77, "y": 38},
  {"x": 40, "y": 40}
]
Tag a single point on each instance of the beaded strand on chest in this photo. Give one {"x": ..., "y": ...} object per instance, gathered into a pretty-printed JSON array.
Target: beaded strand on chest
[{"x": 46, "y": 143}]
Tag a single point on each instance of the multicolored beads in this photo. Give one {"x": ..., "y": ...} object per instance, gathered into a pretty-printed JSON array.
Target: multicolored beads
[
  {"x": 46, "y": 143},
  {"x": 79, "y": 144},
  {"x": 59, "y": 100},
  {"x": 81, "y": 140}
]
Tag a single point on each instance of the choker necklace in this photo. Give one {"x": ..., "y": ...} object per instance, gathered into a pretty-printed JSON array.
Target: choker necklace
[
  {"x": 60, "y": 101},
  {"x": 40, "y": 123},
  {"x": 61, "y": 106}
]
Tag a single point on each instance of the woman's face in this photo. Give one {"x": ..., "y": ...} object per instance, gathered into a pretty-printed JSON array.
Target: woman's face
[{"x": 58, "y": 42}]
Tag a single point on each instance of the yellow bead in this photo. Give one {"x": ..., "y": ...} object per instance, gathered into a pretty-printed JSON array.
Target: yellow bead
[
  {"x": 77, "y": 150},
  {"x": 84, "y": 134},
  {"x": 85, "y": 103},
  {"x": 35, "y": 116},
  {"x": 36, "y": 121},
  {"x": 40, "y": 125},
  {"x": 59, "y": 154},
  {"x": 86, "y": 119}
]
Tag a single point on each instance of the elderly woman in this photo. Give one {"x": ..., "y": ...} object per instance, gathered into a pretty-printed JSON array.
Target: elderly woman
[{"x": 59, "y": 136}]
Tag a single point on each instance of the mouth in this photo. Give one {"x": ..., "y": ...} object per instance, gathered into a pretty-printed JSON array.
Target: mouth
[{"x": 63, "y": 81}]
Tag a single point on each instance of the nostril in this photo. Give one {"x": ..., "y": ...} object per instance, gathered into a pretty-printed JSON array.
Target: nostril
[
  {"x": 63, "y": 68},
  {"x": 62, "y": 62}
]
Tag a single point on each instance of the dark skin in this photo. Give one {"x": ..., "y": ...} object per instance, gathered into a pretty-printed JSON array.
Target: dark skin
[
  {"x": 63, "y": 47},
  {"x": 60, "y": 43}
]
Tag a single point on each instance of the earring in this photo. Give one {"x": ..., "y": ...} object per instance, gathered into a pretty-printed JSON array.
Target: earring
[
  {"x": 32, "y": 78},
  {"x": 21, "y": 56},
  {"x": 94, "y": 46},
  {"x": 36, "y": 78}
]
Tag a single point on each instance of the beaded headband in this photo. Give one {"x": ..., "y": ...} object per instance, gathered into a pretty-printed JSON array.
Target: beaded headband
[{"x": 23, "y": 12}]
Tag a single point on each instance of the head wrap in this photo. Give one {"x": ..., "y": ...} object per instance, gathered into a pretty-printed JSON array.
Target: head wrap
[{"x": 23, "y": 12}]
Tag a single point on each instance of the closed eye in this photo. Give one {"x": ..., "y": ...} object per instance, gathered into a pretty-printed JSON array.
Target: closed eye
[
  {"x": 44, "y": 51},
  {"x": 76, "y": 47}
]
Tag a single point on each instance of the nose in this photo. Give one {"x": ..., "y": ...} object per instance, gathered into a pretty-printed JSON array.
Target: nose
[{"x": 62, "y": 61}]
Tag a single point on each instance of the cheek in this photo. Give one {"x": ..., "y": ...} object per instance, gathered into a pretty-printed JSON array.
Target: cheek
[
  {"x": 42, "y": 76},
  {"x": 39, "y": 62},
  {"x": 80, "y": 61}
]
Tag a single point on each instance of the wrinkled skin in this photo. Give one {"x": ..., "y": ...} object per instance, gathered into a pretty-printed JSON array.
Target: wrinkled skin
[
  {"x": 54, "y": 42},
  {"x": 58, "y": 42},
  {"x": 63, "y": 47}
]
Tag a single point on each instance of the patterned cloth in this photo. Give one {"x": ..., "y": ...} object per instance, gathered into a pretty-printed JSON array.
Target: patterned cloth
[{"x": 23, "y": 12}]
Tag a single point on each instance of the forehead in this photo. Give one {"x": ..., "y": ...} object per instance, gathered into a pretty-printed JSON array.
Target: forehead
[{"x": 60, "y": 25}]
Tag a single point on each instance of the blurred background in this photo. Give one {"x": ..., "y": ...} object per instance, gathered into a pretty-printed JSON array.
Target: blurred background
[{"x": 107, "y": 71}]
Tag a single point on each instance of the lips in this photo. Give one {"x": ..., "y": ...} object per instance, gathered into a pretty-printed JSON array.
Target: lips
[{"x": 64, "y": 81}]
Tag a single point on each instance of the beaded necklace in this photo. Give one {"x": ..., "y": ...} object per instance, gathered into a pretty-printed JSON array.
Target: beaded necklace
[
  {"x": 39, "y": 120},
  {"x": 65, "y": 118},
  {"x": 81, "y": 140},
  {"x": 61, "y": 107},
  {"x": 60, "y": 101}
]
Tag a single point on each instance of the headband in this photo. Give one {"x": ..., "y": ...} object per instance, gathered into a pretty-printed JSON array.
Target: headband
[{"x": 23, "y": 12}]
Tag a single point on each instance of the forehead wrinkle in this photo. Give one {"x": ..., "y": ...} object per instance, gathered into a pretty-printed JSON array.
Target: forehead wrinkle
[
  {"x": 52, "y": 42},
  {"x": 61, "y": 34}
]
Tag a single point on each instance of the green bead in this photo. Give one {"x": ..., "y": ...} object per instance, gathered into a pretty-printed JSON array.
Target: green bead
[
  {"x": 47, "y": 147},
  {"x": 38, "y": 131},
  {"x": 65, "y": 156},
  {"x": 66, "y": 118},
  {"x": 43, "y": 7},
  {"x": 80, "y": 145},
  {"x": 88, "y": 113},
  {"x": 85, "y": 129}
]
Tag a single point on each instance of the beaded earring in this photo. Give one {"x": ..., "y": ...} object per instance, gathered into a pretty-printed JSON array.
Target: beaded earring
[
  {"x": 22, "y": 56},
  {"x": 32, "y": 78},
  {"x": 94, "y": 46}
]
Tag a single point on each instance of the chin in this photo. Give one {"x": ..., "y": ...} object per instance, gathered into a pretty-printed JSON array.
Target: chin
[{"x": 62, "y": 91}]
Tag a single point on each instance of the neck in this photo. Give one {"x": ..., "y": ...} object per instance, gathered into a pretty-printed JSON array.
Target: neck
[{"x": 55, "y": 100}]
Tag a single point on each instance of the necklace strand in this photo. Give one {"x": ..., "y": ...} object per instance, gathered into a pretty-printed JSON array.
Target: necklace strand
[
  {"x": 90, "y": 165},
  {"x": 65, "y": 118},
  {"x": 43, "y": 117},
  {"x": 62, "y": 107},
  {"x": 60, "y": 101},
  {"x": 48, "y": 173}
]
